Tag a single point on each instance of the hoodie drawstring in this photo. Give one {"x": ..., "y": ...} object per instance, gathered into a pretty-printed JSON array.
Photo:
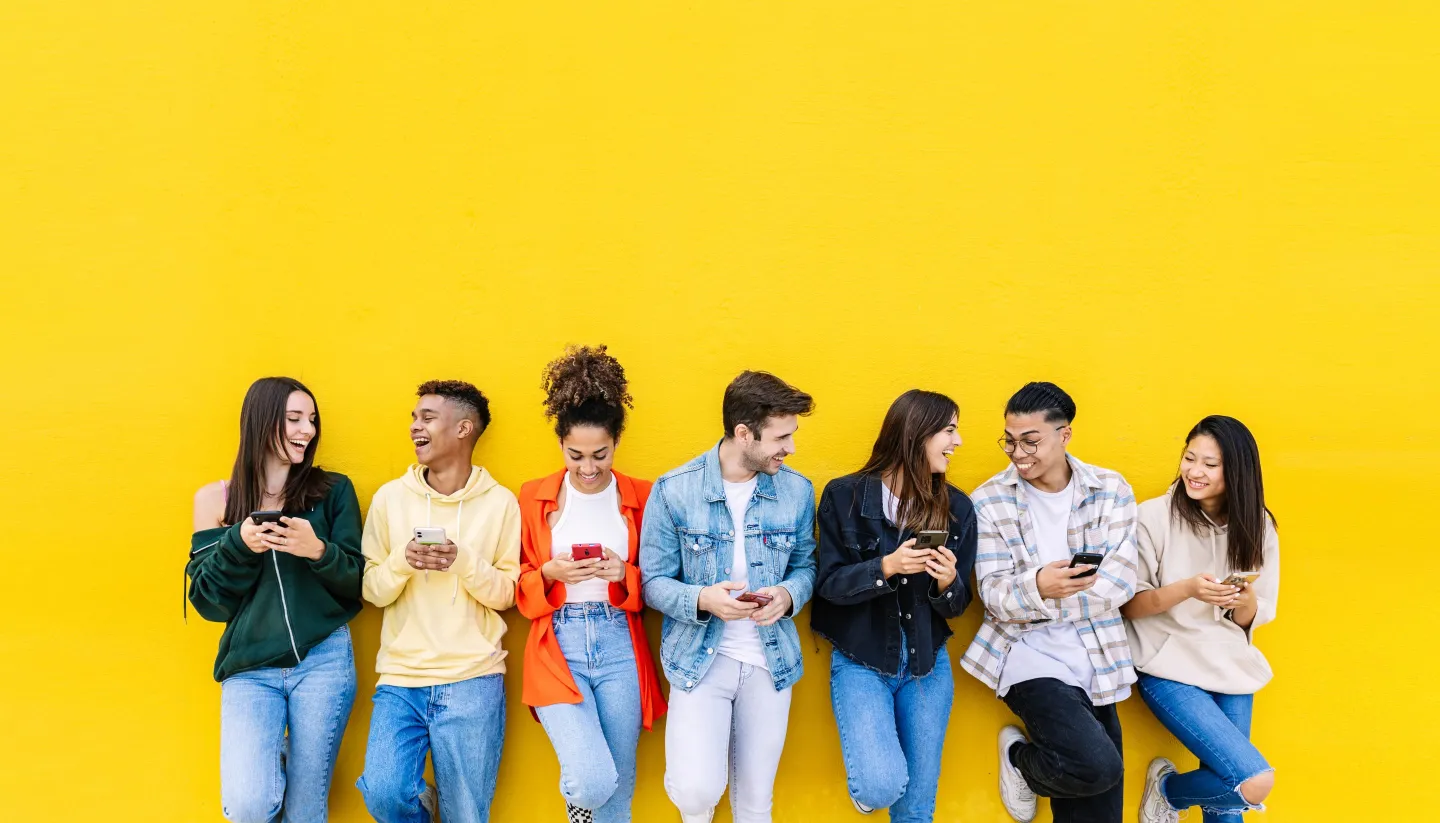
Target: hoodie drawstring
[{"x": 430, "y": 521}]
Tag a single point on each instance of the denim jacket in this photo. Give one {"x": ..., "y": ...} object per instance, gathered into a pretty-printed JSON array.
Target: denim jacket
[
  {"x": 688, "y": 544},
  {"x": 866, "y": 616}
]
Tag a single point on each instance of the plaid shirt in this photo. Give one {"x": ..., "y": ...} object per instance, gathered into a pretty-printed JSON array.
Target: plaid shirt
[{"x": 1102, "y": 520}]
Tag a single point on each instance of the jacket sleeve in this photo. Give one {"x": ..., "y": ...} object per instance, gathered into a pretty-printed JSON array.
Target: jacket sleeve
[
  {"x": 952, "y": 602},
  {"x": 535, "y": 596},
  {"x": 386, "y": 571},
  {"x": 222, "y": 574},
  {"x": 1009, "y": 595},
  {"x": 1115, "y": 579},
  {"x": 841, "y": 576},
  {"x": 491, "y": 580},
  {"x": 342, "y": 565},
  {"x": 800, "y": 573},
  {"x": 660, "y": 566},
  {"x": 629, "y": 593}
]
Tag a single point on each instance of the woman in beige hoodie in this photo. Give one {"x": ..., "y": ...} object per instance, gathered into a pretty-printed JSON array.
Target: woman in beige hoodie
[{"x": 1209, "y": 576}]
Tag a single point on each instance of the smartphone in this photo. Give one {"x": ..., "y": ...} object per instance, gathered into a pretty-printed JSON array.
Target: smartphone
[
  {"x": 586, "y": 551},
  {"x": 755, "y": 597},
  {"x": 261, "y": 518},
  {"x": 1087, "y": 559},
  {"x": 1240, "y": 578},
  {"x": 430, "y": 535},
  {"x": 931, "y": 539}
]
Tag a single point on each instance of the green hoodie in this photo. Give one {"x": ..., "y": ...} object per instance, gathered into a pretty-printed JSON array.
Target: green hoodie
[{"x": 276, "y": 606}]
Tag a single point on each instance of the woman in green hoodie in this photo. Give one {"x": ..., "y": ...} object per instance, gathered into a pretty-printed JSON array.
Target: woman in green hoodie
[{"x": 285, "y": 589}]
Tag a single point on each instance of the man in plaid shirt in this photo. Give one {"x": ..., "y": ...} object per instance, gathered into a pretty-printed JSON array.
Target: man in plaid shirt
[{"x": 1053, "y": 644}]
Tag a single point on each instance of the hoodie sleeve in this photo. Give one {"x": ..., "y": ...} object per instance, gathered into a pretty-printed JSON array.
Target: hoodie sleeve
[
  {"x": 341, "y": 566},
  {"x": 222, "y": 574},
  {"x": 386, "y": 571},
  {"x": 491, "y": 580}
]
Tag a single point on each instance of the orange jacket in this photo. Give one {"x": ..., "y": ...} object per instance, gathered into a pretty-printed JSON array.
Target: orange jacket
[{"x": 547, "y": 678}]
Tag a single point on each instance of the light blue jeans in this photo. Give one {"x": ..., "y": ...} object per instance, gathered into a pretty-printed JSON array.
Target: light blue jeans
[
  {"x": 892, "y": 732},
  {"x": 1215, "y": 728},
  {"x": 595, "y": 739},
  {"x": 262, "y": 769},
  {"x": 461, "y": 724}
]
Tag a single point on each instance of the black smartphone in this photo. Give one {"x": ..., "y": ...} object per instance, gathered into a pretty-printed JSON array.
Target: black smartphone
[
  {"x": 261, "y": 518},
  {"x": 929, "y": 539},
  {"x": 1087, "y": 559}
]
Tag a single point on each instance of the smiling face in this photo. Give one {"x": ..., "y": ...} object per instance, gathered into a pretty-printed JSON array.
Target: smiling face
[
  {"x": 941, "y": 446},
  {"x": 1031, "y": 431},
  {"x": 589, "y": 453},
  {"x": 439, "y": 429},
  {"x": 299, "y": 428},
  {"x": 1202, "y": 470},
  {"x": 776, "y": 442}
]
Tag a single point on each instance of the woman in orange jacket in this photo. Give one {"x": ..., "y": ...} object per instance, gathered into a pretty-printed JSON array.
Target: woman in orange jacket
[{"x": 589, "y": 676}]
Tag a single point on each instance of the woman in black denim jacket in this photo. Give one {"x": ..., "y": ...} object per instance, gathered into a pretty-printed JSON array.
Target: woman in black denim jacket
[{"x": 883, "y": 604}]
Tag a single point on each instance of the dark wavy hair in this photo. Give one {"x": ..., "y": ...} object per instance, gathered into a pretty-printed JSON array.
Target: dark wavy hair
[
  {"x": 900, "y": 447},
  {"x": 262, "y": 425},
  {"x": 1244, "y": 505},
  {"x": 586, "y": 386}
]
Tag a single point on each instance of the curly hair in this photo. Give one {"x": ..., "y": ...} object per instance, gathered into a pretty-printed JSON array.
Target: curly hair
[
  {"x": 586, "y": 386},
  {"x": 470, "y": 399}
]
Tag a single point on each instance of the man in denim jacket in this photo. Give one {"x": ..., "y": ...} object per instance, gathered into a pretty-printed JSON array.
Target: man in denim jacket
[{"x": 732, "y": 522}]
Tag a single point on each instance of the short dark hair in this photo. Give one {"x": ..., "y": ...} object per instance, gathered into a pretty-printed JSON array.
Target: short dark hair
[
  {"x": 1043, "y": 397},
  {"x": 461, "y": 393},
  {"x": 756, "y": 396}
]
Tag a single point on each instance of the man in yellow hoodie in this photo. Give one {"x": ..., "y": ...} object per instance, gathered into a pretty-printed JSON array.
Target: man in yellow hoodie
[{"x": 441, "y": 665}]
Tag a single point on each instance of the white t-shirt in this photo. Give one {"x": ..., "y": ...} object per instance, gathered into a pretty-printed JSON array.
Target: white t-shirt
[
  {"x": 1049, "y": 651},
  {"x": 590, "y": 518},
  {"x": 741, "y": 640}
]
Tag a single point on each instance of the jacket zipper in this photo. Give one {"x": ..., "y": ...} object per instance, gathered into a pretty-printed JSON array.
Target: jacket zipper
[{"x": 285, "y": 609}]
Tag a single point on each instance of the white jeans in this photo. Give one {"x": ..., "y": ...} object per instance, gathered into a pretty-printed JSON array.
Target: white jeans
[{"x": 731, "y": 726}]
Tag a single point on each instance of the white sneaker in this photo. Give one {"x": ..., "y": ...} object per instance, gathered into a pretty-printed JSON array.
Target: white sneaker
[
  {"x": 430, "y": 801},
  {"x": 1015, "y": 793},
  {"x": 1154, "y": 808},
  {"x": 861, "y": 807}
]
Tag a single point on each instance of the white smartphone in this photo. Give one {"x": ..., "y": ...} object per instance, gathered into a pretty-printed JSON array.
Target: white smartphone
[{"x": 430, "y": 535}]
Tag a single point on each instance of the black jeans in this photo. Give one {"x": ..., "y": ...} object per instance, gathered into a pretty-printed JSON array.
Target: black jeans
[{"x": 1074, "y": 754}]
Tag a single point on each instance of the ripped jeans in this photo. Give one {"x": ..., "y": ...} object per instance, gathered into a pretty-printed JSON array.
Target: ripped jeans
[{"x": 1215, "y": 728}]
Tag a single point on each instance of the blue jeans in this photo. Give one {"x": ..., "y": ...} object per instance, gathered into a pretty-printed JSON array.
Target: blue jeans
[
  {"x": 258, "y": 776},
  {"x": 1215, "y": 728},
  {"x": 595, "y": 739},
  {"x": 892, "y": 730},
  {"x": 463, "y": 727}
]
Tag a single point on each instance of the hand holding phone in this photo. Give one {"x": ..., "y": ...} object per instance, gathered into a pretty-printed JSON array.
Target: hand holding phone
[
  {"x": 755, "y": 597},
  {"x": 1091, "y": 559},
  {"x": 906, "y": 559},
  {"x": 586, "y": 551},
  {"x": 254, "y": 527},
  {"x": 1240, "y": 579},
  {"x": 430, "y": 535},
  {"x": 1057, "y": 580}
]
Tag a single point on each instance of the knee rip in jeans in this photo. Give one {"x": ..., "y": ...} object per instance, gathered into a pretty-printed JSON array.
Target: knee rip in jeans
[
  {"x": 1257, "y": 788},
  {"x": 255, "y": 809}
]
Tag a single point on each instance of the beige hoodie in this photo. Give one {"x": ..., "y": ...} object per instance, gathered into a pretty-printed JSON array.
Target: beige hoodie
[
  {"x": 442, "y": 627},
  {"x": 1194, "y": 642}
]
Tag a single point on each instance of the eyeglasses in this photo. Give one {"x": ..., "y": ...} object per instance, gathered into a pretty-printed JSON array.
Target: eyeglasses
[{"x": 1027, "y": 446}]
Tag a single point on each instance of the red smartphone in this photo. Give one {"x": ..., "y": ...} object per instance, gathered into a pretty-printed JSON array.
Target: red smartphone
[
  {"x": 586, "y": 551},
  {"x": 755, "y": 597}
]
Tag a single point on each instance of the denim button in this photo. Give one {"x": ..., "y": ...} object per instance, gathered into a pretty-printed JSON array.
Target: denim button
[
  {"x": 907, "y": 615},
  {"x": 709, "y": 651},
  {"x": 949, "y": 594},
  {"x": 904, "y": 580},
  {"x": 912, "y": 651},
  {"x": 727, "y": 570},
  {"x": 689, "y": 683},
  {"x": 879, "y": 582}
]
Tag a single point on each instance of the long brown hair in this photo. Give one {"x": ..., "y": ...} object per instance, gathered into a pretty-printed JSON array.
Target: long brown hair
[
  {"x": 912, "y": 419},
  {"x": 1244, "y": 504},
  {"x": 262, "y": 423}
]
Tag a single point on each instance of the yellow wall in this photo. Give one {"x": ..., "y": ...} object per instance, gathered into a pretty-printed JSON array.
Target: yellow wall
[{"x": 1169, "y": 209}]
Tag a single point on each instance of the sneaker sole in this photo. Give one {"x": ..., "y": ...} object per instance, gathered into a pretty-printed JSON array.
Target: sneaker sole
[{"x": 1004, "y": 752}]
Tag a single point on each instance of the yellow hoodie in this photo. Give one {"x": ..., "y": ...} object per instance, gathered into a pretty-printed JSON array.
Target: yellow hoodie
[{"x": 442, "y": 627}]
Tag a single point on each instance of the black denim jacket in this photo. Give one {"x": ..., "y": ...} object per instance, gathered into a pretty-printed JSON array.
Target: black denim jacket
[{"x": 864, "y": 615}]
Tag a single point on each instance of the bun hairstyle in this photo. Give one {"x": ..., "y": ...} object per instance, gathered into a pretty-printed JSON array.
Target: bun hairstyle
[{"x": 586, "y": 387}]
